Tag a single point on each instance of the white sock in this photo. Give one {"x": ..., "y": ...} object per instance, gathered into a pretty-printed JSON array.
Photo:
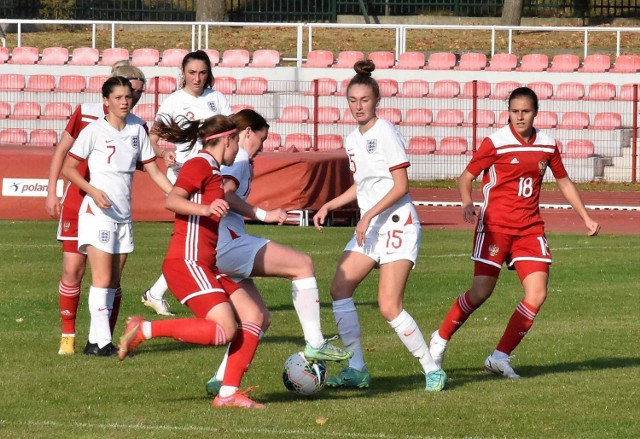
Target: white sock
[
  {"x": 306, "y": 301},
  {"x": 159, "y": 288},
  {"x": 346, "y": 316},
  {"x": 225, "y": 358},
  {"x": 99, "y": 310},
  {"x": 408, "y": 331},
  {"x": 146, "y": 329},
  {"x": 498, "y": 355},
  {"x": 227, "y": 391}
]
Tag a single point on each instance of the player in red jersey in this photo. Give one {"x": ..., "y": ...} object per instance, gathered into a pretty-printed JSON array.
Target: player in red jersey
[
  {"x": 509, "y": 227},
  {"x": 74, "y": 262},
  {"x": 224, "y": 312}
]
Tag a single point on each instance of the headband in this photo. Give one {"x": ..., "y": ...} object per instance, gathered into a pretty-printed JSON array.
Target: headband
[{"x": 226, "y": 133}]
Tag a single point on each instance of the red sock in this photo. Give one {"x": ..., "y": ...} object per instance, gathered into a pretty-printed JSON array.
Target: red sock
[
  {"x": 518, "y": 326},
  {"x": 113, "y": 318},
  {"x": 457, "y": 315},
  {"x": 193, "y": 330},
  {"x": 241, "y": 352},
  {"x": 69, "y": 297}
]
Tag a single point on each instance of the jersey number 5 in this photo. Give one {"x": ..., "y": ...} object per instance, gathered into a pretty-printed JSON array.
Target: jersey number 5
[{"x": 352, "y": 164}]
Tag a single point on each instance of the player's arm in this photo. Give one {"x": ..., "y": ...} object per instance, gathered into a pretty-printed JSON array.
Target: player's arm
[
  {"x": 52, "y": 202},
  {"x": 571, "y": 194},
  {"x": 70, "y": 172},
  {"x": 167, "y": 155},
  {"x": 157, "y": 176},
  {"x": 465, "y": 187},
  {"x": 348, "y": 196},
  {"x": 178, "y": 202},
  {"x": 240, "y": 206}
]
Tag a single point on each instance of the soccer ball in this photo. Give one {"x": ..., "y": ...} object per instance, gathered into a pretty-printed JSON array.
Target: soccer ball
[{"x": 302, "y": 377}]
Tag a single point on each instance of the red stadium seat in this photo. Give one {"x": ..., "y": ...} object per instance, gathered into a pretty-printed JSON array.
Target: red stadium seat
[
  {"x": 319, "y": 59},
  {"x": 328, "y": 115},
  {"x": 84, "y": 56},
  {"x": 294, "y": 114},
  {"x": 411, "y": 61},
  {"x": 503, "y": 89},
  {"x": 298, "y": 141},
  {"x": 626, "y": 92},
  {"x": 606, "y": 121},
  {"x": 578, "y": 149},
  {"x": 166, "y": 85},
  {"x": 388, "y": 87},
  {"x": 56, "y": 111},
  {"x": 71, "y": 84},
  {"x": 145, "y": 57},
  {"x": 503, "y": 118},
  {"x": 226, "y": 84},
  {"x": 43, "y": 137},
  {"x": 445, "y": 89},
  {"x": 503, "y": 62},
  {"x": 235, "y": 58},
  {"x": 564, "y": 63},
  {"x": 328, "y": 142},
  {"x": 448, "y": 118},
  {"x": 347, "y": 118},
  {"x": 54, "y": 56},
  {"x": 41, "y": 83},
  {"x": 382, "y": 59},
  {"x": 26, "y": 111},
  {"x": 393, "y": 115},
  {"x": 534, "y": 62},
  {"x": 214, "y": 56},
  {"x": 112, "y": 55},
  {"x": 146, "y": 112},
  {"x": 472, "y": 61},
  {"x": 414, "y": 88},
  {"x": 347, "y": 58},
  {"x": 4, "y": 55},
  {"x": 421, "y": 145},
  {"x": 601, "y": 91},
  {"x": 273, "y": 142},
  {"x": 24, "y": 55},
  {"x": 239, "y": 107},
  {"x": 95, "y": 84},
  {"x": 574, "y": 120},
  {"x": 326, "y": 87},
  {"x": 485, "y": 118},
  {"x": 441, "y": 61},
  {"x": 173, "y": 57},
  {"x": 252, "y": 85},
  {"x": 546, "y": 119},
  {"x": 5, "y": 109},
  {"x": 544, "y": 90},
  {"x": 13, "y": 136},
  {"x": 626, "y": 64},
  {"x": 454, "y": 145},
  {"x": 417, "y": 117},
  {"x": 483, "y": 90},
  {"x": 265, "y": 58},
  {"x": 596, "y": 63},
  {"x": 343, "y": 86},
  {"x": 569, "y": 91}
]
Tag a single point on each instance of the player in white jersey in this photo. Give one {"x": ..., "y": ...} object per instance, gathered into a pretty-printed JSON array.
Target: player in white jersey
[
  {"x": 242, "y": 256},
  {"x": 112, "y": 146},
  {"x": 195, "y": 100},
  {"x": 386, "y": 236}
]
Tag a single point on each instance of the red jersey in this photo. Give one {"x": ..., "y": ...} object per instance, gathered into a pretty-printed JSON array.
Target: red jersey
[
  {"x": 195, "y": 237},
  {"x": 513, "y": 173}
]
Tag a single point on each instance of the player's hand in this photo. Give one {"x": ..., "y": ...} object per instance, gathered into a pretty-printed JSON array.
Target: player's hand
[
  {"x": 593, "y": 228},
  {"x": 276, "y": 216},
  {"x": 469, "y": 212},
  {"x": 218, "y": 207},
  {"x": 319, "y": 217},
  {"x": 169, "y": 158},
  {"x": 361, "y": 230},
  {"x": 101, "y": 199},
  {"x": 52, "y": 205}
]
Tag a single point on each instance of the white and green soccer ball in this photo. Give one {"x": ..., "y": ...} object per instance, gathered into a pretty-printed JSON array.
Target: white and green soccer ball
[{"x": 303, "y": 377}]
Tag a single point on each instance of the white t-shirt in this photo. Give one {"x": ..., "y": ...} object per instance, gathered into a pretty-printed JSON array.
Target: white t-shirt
[
  {"x": 112, "y": 156},
  {"x": 241, "y": 171}
]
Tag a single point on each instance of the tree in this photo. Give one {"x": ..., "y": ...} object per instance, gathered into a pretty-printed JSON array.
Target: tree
[
  {"x": 211, "y": 10},
  {"x": 511, "y": 13}
]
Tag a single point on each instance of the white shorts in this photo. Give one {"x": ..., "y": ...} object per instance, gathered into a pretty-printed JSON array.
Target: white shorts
[
  {"x": 389, "y": 244},
  {"x": 110, "y": 237},
  {"x": 236, "y": 257}
]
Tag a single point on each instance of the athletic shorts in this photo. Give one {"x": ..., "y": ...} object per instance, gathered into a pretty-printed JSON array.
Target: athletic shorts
[
  {"x": 389, "y": 244},
  {"x": 68, "y": 230},
  {"x": 236, "y": 257},
  {"x": 497, "y": 248},
  {"x": 198, "y": 286},
  {"x": 110, "y": 237}
]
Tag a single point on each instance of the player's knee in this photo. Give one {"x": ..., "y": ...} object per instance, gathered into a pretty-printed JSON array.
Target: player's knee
[
  {"x": 72, "y": 275},
  {"x": 389, "y": 310},
  {"x": 305, "y": 265}
]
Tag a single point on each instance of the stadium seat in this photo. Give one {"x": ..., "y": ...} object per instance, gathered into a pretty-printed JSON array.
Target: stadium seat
[
  {"x": 319, "y": 59},
  {"x": 235, "y": 58},
  {"x": 453, "y": 145},
  {"x": 503, "y": 118},
  {"x": 596, "y": 63},
  {"x": 414, "y": 88},
  {"x": 503, "y": 89},
  {"x": 24, "y": 55},
  {"x": 574, "y": 120},
  {"x": 112, "y": 55},
  {"x": 265, "y": 58},
  {"x": 411, "y": 61},
  {"x": 328, "y": 142},
  {"x": 173, "y": 57},
  {"x": 273, "y": 142},
  {"x": 543, "y": 89},
  {"x": 445, "y": 89},
  {"x": 417, "y": 117},
  {"x": 40, "y": 83},
  {"x": 26, "y": 111},
  {"x": 578, "y": 149},
  {"x": 4, "y": 55},
  {"x": 606, "y": 121},
  {"x": 5, "y": 109},
  {"x": 214, "y": 56},
  {"x": 485, "y": 118},
  {"x": 483, "y": 90},
  {"x": 56, "y": 111},
  {"x": 238, "y": 107},
  {"x": 54, "y": 56},
  {"x": 421, "y": 145},
  {"x": 441, "y": 61},
  {"x": 326, "y": 87},
  {"x": 146, "y": 112},
  {"x": 328, "y": 115},
  {"x": 534, "y": 62},
  {"x": 226, "y": 84},
  {"x": 43, "y": 137},
  {"x": 626, "y": 64},
  {"x": 382, "y": 59},
  {"x": 502, "y": 62},
  {"x": 569, "y": 91},
  {"x": 448, "y": 118},
  {"x": 13, "y": 136},
  {"x": 601, "y": 91},
  {"x": 347, "y": 118},
  {"x": 391, "y": 114},
  {"x": 347, "y": 58},
  {"x": 564, "y": 63},
  {"x": 294, "y": 114},
  {"x": 252, "y": 85},
  {"x": 299, "y": 141},
  {"x": 145, "y": 57},
  {"x": 546, "y": 119},
  {"x": 626, "y": 92},
  {"x": 388, "y": 87},
  {"x": 84, "y": 56},
  {"x": 343, "y": 86},
  {"x": 71, "y": 84},
  {"x": 165, "y": 85},
  {"x": 95, "y": 84},
  {"x": 472, "y": 61}
]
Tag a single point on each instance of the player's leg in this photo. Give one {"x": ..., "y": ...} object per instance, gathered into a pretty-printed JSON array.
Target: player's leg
[
  {"x": 101, "y": 278},
  {"x": 154, "y": 297},
  {"x": 73, "y": 268},
  {"x": 114, "y": 296}
]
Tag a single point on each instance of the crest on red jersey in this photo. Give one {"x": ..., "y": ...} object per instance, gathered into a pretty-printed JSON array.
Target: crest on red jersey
[
  {"x": 542, "y": 166},
  {"x": 372, "y": 145},
  {"x": 494, "y": 249},
  {"x": 66, "y": 225}
]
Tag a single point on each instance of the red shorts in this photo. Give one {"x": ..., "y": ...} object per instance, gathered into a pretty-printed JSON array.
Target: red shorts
[
  {"x": 197, "y": 285},
  {"x": 68, "y": 230}
]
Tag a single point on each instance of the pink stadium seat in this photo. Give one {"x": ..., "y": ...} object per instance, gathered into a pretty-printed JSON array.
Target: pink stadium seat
[
  {"x": 441, "y": 61},
  {"x": 448, "y": 118},
  {"x": 544, "y": 90},
  {"x": 626, "y": 64},
  {"x": 503, "y": 119},
  {"x": 319, "y": 59},
  {"x": 546, "y": 119},
  {"x": 71, "y": 84},
  {"x": 503, "y": 62},
  {"x": 454, "y": 145},
  {"x": 238, "y": 107},
  {"x": 421, "y": 145},
  {"x": 214, "y": 56},
  {"x": 145, "y": 57},
  {"x": 483, "y": 90},
  {"x": 294, "y": 114},
  {"x": 578, "y": 149},
  {"x": 112, "y": 55},
  {"x": 569, "y": 91},
  {"x": 56, "y": 111},
  {"x": 417, "y": 117},
  {"x": 534, "y": 62},
  {"x": 445, "y": 89},
  {"x": 235, "y": 58},
  {"x": 5, "y": 109},
  {"x": 472, "y": 61},
  {"x": 382, "y": 59},
  {"x": 564, "y": 63},
  {"x": 328, "y": 142},
  {"x": 388, "y": 87},
  {"x": 95, "y": 84},
  {"x": 173, "y": 57},
  {"x": 54, "y": 56},
  {"x": 393, "y": 115},
  {"x": 166, "y": 85},
  {"x": 4, "y": 55},
  {"x": 414, "y": 88},
  {"x": 485, "y": 118},
  {"x": 596, "y": 63},
  {"x": 26, "y": 111},
  {"x": 347, "y": 118},
  {"x": 343, "y": 86},
  {"x": 606, "y": 121},
  {"x": 226, "y": 84},
  {"x": 265, "y": 58},
  {"x": 252, "y": 85},
  {"x": 347, "y": 58},
  {"x": 328, "y": 115},
  {"x": 574, "y": 120},
  {"x": 24, "y": 55},
  {"x": 503, "y": 89},
  {"x": 601, "y": 91},
  {"x": 272, "y": 143},
  {"x": 13, "y": 136},
  {"x": 411, "y": 61},
  {"x": 326, "y": 87},
  {"x": 626, "y": 92},
  {"x": 41, "y": 83},
  {"x": 146, "y": 112},
  {"x": 84, "y": 56},
  {"x": 43, "y": 137},
  {"x": 299, "y": 141}
]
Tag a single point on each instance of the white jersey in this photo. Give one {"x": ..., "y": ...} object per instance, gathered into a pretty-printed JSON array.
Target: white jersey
[
  {"x": 372, "y": 157},
  {"x": 112, "y": 156},
  {"x": 241, "y": 171},
  {"x": 180, "y": 103}
]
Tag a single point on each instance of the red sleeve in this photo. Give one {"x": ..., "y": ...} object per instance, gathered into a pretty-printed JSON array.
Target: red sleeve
[
  {"x": 483, "y": 158},
  {"x": 193, "y": 174},
  {"x": 75, "y": 123},
  {"x": 556, "y": 165}
]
